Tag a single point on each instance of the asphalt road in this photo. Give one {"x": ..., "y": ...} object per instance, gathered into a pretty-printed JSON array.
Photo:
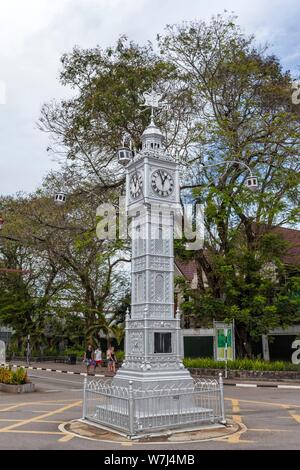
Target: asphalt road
[{"x": 31, "y": 421}]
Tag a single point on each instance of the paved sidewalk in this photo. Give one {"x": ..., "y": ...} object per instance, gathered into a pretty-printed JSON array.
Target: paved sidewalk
[{"x": 61, "y": 367}]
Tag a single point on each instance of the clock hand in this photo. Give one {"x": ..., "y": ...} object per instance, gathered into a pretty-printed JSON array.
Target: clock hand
[{"x": 161, "y": 178}]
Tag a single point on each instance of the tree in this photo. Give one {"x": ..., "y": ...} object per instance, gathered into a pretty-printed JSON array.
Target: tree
[
  {"x": 242, "y": 111},
  {"x": 83, "y": 278},
  {"x": 230, "y": 101}
]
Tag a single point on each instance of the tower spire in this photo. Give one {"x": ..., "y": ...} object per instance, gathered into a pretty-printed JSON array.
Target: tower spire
[{"x": 152, "y": 137}]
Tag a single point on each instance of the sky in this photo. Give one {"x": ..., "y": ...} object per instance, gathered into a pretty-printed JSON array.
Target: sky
[{"x": 35, "y": 33}]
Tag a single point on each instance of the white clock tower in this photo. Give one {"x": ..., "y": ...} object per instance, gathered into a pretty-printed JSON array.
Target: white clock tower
[{"x": 153, "y": 340}]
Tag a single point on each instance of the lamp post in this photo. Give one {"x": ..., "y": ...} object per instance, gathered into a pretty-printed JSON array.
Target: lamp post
[
  {"x": 251, "y": 181},
  {"x": 28, "y": 350},
  {"x": 226, "y": 351}
]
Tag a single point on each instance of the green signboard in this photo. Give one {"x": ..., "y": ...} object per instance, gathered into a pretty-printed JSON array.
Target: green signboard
[{"x": 224, "y": 348}]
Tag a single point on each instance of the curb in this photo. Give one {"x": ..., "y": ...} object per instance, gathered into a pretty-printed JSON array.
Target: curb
[
  {"x": 241, "y": 428},
  {"x": 84, "y": 374},
  {"x": 287, "y": 387},
  {"x": 243, "y": 385}
]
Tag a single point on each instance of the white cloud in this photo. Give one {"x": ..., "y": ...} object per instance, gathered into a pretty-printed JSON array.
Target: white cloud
[{"x": 35, "y": 33}]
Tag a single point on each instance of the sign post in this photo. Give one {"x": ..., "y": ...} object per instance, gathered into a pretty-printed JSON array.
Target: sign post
[
  {"x": 224, "y": 345},
  {"x": 28, "y": 350}
]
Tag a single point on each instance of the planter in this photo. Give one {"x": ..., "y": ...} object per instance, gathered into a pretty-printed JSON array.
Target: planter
[
  {"x": 25, "y": 388},
  {"x": 249, "y": 374}
]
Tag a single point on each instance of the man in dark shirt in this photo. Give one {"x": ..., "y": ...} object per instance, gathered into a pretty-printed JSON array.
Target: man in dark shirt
[{"x": 88, "y": 358}]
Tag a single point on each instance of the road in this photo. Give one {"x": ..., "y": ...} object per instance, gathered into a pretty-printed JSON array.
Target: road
[{"x": 31, "y": 421}]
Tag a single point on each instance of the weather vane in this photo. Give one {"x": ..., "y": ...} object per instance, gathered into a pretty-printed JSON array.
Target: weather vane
[{"x": 152, "y": 100}]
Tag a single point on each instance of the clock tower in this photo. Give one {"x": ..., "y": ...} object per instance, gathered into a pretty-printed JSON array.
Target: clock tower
[{"x": 153, "y": 340}]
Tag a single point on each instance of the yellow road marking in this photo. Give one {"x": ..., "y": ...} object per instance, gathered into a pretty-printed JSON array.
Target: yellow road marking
[
  {"x": 235, "y": 406},
  {"x": 237, "y": 419},
  {"x": 45, "y": 415},
  {"x": 295, "y": 416},
  {"x": 2, "y": 420},
  {"x": 10, "y": 420},
  {"x": 127, "y": 444},
  {"x": 51, "y": 403},
  {"x": 12, "y": 407},
  {"x": 270, "y": 430},
  {"x": 19, "y": 431},
  {"x": 66, "y": 438},
  {"x": 282, "y": 405}
]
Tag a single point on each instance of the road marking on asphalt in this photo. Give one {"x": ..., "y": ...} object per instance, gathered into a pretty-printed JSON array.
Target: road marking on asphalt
[
  {"x": 292, "y": 387},
  {"x": 46, "y": 402},
  {"x": 12, "y": 407},
  {"x": 270, "y": 430},
  {"x": 282, "y": 405},
  {"x": 66, "y": 438},
  {"x": 246, "y": 385},
  {"x": 44, "y": 415},
  {"x": 9, "y": 420},
  {"x": 235, "y": 406},
  {"x": 56, "y": 380},
  {"x": 21, "y": 431},
  {"x": 295, "y": 416}
]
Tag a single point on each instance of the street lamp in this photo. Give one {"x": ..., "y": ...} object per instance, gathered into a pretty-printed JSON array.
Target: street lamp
[
  {"x": 60, "y": 198},
  {"x": 251, "y": 181},
  {"x": 124, "y": 155}
]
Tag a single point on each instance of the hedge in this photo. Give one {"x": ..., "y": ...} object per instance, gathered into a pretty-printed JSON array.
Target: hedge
[{"x": 239, "y": 364}]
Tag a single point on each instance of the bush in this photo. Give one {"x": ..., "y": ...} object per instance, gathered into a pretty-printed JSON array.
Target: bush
[
  {"x": 11, "y": 377},
  {"x": 239, "y": 364},
  {"x": 73, "y": 352},
  {"x": 120, "y": 356}
]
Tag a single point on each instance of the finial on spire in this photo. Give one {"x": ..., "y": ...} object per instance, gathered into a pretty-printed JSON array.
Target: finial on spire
[{"x": 152, "y": 100}]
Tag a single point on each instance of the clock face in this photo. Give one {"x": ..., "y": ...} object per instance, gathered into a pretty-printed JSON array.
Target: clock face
[
  {"x": 136, "y": 185},
  {"x": 162, "y": 183}
]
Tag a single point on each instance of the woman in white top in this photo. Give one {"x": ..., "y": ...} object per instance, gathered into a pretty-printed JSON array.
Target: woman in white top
[{"x": 98, "y": 356}]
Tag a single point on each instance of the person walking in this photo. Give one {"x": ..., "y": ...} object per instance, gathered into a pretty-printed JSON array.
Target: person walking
[
  {"x": 88, "y": 358},
  {"x": 113, "y": 359},
  {"x": 109, "y": 359},
  {"x": 98, "y": 357}
]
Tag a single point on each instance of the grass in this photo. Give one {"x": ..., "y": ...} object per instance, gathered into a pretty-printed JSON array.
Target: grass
[{"x": 240, "y": 364}]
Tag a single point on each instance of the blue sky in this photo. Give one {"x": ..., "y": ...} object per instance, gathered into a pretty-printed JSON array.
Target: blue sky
[{"x": 35, "y": 33}]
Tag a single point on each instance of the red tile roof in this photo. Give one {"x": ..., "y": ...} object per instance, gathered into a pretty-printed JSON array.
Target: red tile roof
[
  {"x": 187, "y": 268},
  {"x": 292, "y": 236}
]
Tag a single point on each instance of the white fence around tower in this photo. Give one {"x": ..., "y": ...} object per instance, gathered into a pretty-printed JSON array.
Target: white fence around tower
[{"x": 136, "y": 411}]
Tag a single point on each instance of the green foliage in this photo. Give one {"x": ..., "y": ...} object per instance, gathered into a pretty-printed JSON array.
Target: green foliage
[
  {"x": 120, "y": 356},
  {"x": 11, "y": 377},
  {"x": 240, "y": 364},
  {"x": 230, "y": 100}
]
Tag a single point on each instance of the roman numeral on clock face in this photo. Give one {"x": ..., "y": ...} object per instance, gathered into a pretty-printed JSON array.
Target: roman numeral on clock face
[
  {"x": 136, "y": 185},
  {"x": 162, "y": 183}
]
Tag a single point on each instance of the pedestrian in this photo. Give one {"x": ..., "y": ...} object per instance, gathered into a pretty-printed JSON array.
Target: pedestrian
[
  {"x": 98, "y": 356},
  {"x": 88, "y": 358},
  {"x": 108, "y": 359},
  {"x": 113, "y": 359}
]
